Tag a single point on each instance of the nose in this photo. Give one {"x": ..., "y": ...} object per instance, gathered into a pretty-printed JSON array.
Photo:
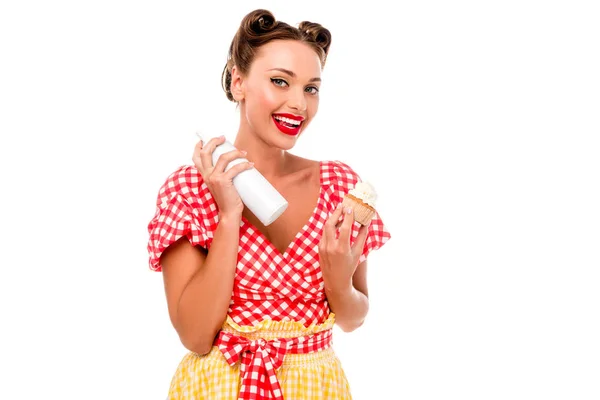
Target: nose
[{"x": 297, "y": 101}]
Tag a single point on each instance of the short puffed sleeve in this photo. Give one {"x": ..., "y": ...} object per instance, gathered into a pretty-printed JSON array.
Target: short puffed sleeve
[
  {"x": 344, "y": 178},
  {"x": 182, "y": 207}
]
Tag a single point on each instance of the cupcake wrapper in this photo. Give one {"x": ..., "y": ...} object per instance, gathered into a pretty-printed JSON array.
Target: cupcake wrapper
[{"x": 362, "y": 213}]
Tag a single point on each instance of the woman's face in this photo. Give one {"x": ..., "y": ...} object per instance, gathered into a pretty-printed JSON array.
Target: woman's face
[{"x": 280, "y": 94}]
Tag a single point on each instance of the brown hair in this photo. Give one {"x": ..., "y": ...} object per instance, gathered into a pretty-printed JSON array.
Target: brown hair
[{"x": 258, "y": 28}]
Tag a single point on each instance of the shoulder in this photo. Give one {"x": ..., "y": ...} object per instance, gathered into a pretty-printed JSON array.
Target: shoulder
[
  {"x": 329, "y": 172},
  {"x": 302, "y": 171},
  {"x": 339, "y": 173},
  {"x": 183, "y": 208},
  {"x": 185, "y": 181},
  {"x": 337, "y": 179}
]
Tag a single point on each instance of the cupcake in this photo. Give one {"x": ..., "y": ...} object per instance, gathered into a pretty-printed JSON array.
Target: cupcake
[{"x": 362, "y": 200}]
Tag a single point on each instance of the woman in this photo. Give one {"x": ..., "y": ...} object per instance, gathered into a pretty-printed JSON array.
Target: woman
[{"x": 256, "y": 304}]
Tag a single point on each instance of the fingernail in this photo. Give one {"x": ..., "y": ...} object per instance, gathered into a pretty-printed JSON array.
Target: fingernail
[
  {"x": 348, "y": 210},
  {"x": 338, "y": 206}
]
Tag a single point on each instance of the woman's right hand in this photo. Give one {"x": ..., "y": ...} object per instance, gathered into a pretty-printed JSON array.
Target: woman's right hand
[{"x": 219, "y": 182}]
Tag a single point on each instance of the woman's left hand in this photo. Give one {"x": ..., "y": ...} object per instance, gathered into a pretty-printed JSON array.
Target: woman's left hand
[{"x": 338, "y": 259}]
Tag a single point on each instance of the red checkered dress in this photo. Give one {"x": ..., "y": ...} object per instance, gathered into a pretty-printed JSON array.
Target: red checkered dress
[{"x": 268, "y": 285}]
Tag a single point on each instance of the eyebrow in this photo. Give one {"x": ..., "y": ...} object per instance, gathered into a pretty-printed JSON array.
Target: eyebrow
[{"x": 292, "y": 74}]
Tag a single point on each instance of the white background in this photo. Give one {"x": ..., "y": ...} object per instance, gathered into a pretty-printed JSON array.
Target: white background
[{"x": 477, "y": 122}]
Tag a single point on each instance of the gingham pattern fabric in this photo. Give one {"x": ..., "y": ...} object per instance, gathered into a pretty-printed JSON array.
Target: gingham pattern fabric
[
  {"x": 308, "y": 376},
  {"x": 260, "y": 358},
  {"x": 269, "y": 287},
  {"x": 268, "y": 284}
]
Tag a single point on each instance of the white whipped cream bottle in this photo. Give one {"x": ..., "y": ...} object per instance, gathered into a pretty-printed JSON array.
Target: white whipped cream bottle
[{"x": 256, "y": 192}]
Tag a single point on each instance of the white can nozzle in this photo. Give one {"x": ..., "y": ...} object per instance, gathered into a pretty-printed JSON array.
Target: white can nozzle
[{"x": 205, "y": 137}]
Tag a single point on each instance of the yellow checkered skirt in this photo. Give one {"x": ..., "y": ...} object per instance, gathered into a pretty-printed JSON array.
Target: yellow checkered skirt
[{"x": 318, "y": 375}]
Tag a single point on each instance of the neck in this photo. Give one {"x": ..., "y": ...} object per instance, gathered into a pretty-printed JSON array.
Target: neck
[{"x": 270, "y": 161}]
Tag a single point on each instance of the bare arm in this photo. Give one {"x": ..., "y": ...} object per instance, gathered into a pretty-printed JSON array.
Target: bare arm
[
  {"x": 351, "y": 304},
  {"x": 198, "y": 284}
]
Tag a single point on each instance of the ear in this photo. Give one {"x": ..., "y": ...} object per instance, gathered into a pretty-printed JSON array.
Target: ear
[{"x": 237, "y": 84}]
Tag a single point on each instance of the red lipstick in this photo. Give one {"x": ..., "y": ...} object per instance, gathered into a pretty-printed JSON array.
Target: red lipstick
[{"x": 288, "y": 123}]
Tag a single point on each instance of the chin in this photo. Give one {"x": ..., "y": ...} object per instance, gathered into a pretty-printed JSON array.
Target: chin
[
  {"x": 283, "y": 141},
  {"x": 286, "y": 144}
]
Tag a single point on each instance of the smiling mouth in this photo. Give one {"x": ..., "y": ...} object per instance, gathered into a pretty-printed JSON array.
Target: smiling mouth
[{"x": 286, "y": 125}]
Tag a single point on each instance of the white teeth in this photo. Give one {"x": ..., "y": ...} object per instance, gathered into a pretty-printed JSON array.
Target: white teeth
[{"x": 288, "y": 120}]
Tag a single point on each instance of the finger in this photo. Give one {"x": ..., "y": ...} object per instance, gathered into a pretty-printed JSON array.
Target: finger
[
  {"x": 347, "y": 224},
  {"x": 207, "y": 150},
  {"x": 340, "y": 220},
  {"x": 330, "y": 225},
  {"x": 196, "y": 154},
  {"x": 361, "y": 239},
  {"x": 225, "y": 158},
  {"x": 236, "y": 169}
]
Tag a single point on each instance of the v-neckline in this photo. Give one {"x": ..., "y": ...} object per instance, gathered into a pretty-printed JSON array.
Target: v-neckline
[{"x": 300, "y": 232}]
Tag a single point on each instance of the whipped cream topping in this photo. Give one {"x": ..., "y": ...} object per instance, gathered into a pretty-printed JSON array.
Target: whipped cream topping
[{"x": 365, "y": 192}]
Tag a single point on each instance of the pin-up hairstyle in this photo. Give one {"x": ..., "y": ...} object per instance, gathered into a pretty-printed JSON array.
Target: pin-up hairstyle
[{"x": 260, "y": 27}]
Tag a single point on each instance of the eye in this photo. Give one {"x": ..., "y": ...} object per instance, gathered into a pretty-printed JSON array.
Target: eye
[
  {"x": 312, "y": 90},
  {"x": 279, "y": 82}
]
